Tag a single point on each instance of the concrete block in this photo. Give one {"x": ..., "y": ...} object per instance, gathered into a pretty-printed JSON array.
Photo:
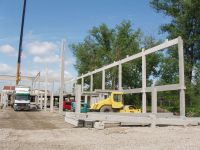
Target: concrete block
[
  {"x": 153, "y": 120},
  {"x": 71, "y": 121},
  {"x": 88, "y": 123},
  {"x": 109, "y": 124},
  {"x": 74, "y": 121},
  {"x": 80, "y": 123},
  {"x": 171, "y": 122},
  {"x": 69, "y": 114},
  {"x": 134, "y": 124},
  {"x": 99, "y": 125}
]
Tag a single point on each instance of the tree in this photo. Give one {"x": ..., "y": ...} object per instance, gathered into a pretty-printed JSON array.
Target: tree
[
  {"x": 185, "y": 22},
  {"x": 103, "y": 46}
]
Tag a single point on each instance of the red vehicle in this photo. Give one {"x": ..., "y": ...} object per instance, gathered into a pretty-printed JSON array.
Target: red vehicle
[{"x": 67, "y": 102}]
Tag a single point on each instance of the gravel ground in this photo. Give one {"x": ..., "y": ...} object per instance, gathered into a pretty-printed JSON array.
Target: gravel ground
[{"x": 47, "y": 131}]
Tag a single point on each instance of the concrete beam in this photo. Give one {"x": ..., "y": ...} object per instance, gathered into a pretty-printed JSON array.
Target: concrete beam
[
  {"x": 36, "y": 77},
  {"x": 171, "y": 87},
  {"x": 130, "y": 58},
  {"x": 13, "y": 78}
]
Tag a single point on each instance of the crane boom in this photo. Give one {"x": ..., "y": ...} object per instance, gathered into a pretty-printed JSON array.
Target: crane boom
[{"x": 20, "y": 44}]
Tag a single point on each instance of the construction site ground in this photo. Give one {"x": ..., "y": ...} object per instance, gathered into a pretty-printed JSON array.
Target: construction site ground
[{"x": 47, "y": 131}]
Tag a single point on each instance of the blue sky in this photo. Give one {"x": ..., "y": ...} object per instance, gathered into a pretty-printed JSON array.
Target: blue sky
[{"x": 49, "y": 21}]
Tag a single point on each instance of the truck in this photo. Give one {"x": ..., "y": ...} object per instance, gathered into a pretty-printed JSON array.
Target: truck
[
  {"x": 22, "y": 98},
  {"x": 67, "y": 102},
  {"x": 114, "y": 103}
]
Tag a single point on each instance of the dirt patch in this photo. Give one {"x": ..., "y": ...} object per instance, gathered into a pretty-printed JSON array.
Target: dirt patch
[{"x": 31, "y": 120}]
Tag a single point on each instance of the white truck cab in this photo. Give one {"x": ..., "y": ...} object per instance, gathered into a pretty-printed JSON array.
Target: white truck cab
[{"x": 22, "y": 98}]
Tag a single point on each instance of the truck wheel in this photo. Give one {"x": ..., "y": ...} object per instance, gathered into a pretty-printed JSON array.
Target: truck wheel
[{"x": 106, "y": 109}]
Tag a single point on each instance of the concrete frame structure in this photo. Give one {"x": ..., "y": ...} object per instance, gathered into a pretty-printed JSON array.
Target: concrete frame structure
[{"x": 144, "y": 89}]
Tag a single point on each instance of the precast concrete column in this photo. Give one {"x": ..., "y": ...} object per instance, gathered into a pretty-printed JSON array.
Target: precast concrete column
[
  {"x": 86, "y": 98},
  {"x": 52, "y": 99},
  {"x": 103, "y": 80},
  {"x": 5, "y": 99},
  {"x": 62, "y": 77},
  {"x": 51, "y": 104},
  {"x": 46, "y": 85},
  {"x": 78, "y": 98},
  {"x": 154, "y": 100},
  {"x": 39, "y": 95},
  {"x": 36, "y": 99},
  {"x": 143, "y": 82},
  {"x": 181, "y": 76},
  {"x": 120, "y": 77},
  {"x": 91, "y": 83},
  {"x": 41, "y": 101},
  {"x": 82, "y": 84},
  {"x": 1, "y": 97}
]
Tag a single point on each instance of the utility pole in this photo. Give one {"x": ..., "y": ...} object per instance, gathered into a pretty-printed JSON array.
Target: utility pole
[
  {"x": 62, "y": 67},
  {"x": 20, "y": 44}
]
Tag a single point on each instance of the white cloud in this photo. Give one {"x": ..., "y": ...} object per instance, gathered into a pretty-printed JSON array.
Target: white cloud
[
  {"x": 7, "y": 49},
  {"x": 54, "y": 75},
  {"x": 47, "y": 59},
  {"x": 43, "y": 51},
  {"x": 69, "y": 62},
  {"x": 6, "y": 69},
  {"x": 38, "y": 48}
]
